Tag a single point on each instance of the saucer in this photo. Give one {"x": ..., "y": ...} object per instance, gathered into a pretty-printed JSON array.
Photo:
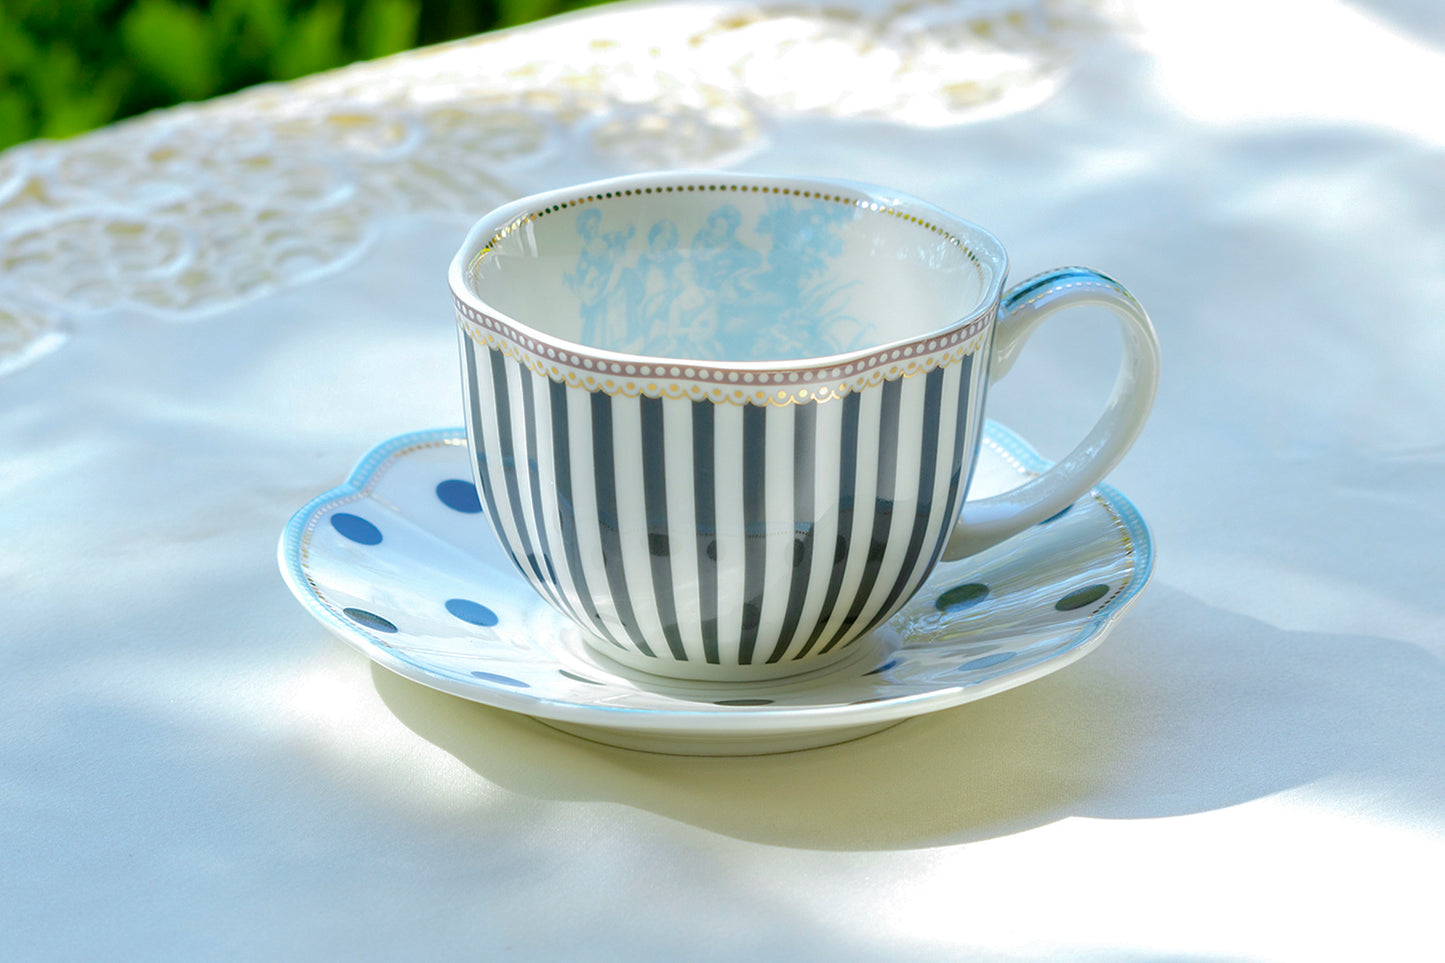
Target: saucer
[{"x": 400, "y": 562}]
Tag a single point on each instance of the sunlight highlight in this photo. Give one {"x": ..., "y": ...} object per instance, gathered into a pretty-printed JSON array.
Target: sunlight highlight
[{"x": 1237, "y": 61}]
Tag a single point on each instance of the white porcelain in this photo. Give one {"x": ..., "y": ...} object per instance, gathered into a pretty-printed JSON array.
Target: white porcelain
[
  {"x": 726, "y": 422},
  {"x": 398, "y": 562}
]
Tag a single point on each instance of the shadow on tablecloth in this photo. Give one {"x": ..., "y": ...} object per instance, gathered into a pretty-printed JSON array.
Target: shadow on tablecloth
[{"x": 1227, "y": 710}]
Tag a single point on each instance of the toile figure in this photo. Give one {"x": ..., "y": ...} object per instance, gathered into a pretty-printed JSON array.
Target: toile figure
[
  {"x": 706, "y": 286},
  {"x": 653, "y": 286},
  {"x": 593, "y": 280},
  {"x": 804, "y": 303}
]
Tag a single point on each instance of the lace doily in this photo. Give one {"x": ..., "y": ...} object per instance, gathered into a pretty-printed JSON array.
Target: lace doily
[{"x": 186, "y": 212}]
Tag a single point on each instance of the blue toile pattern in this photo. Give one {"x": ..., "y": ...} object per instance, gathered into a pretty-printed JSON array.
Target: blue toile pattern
[{"x": 718, "y": 298}]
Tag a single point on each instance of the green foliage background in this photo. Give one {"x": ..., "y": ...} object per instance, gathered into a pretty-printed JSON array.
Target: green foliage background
[{"x": 71, "y": 65}]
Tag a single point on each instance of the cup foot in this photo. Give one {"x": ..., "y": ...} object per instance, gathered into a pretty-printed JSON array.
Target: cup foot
[
  {"x": 699, "y": 671},
  {"x": 684, "y": 742}
]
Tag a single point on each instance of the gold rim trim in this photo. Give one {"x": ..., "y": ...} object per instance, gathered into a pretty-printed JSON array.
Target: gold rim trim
[
  {"x": 862, "y": 203},
  {"x": 666, "y": 379}
]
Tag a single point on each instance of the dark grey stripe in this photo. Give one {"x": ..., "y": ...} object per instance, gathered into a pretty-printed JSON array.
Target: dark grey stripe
[
  {"x": 659, "y": 548},
  {"x": 529, "y": 418},
  {"x": 483, "y": 468},
  {"x": 605, "y": 467},
  {"x": 805, "y": 423},
  {"x": 755, "y": 526},
  {"x": 847, "y": 485},
  {"x": 705, "y": 511},
  {"x": 567, "y": 515},
  {"x": 484, "y": 479},
  {"x": 932, "y": 400},
  {"x": 501, "y": 398},
  {"x": 960, "y": 457},
  {"x": 882, "y": 509}
]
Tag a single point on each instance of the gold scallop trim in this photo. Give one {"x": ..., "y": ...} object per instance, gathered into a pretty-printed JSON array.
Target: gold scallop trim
[{"x": 722, "y": 386}]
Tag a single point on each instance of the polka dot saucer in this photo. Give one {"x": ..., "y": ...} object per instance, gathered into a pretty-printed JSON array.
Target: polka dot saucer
[{"x": 400, "y": 562}]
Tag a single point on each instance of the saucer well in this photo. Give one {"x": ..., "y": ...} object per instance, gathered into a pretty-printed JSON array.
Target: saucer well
[{"x": 400, "y": 562}]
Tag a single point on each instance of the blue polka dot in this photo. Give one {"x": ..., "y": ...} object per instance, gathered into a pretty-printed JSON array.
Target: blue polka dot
[
  {"x": 961, "y": 597},
  {"x": 460, "y": 496},
  {"x": 890, "y": 664},
  {"x": 1081, "y": 598},
  {"x": 985, "y": 661},
  {"x": 469, "y": 611},
  {"x": 500, "y": 679},
  {"x": 369, "y": 619},
  {"x": 356, "y": 528}
]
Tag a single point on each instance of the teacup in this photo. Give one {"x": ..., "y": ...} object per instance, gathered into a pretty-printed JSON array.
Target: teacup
[{"x": 726, "y": 422}]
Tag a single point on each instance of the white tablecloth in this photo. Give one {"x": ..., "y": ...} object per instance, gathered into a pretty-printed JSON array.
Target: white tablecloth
[{"x": 207, "y": 315}]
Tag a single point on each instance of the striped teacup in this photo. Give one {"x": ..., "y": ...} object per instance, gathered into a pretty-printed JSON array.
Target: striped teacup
[{"x": 726, "y": 422}]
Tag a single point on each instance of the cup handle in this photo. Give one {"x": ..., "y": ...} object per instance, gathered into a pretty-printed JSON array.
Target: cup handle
[{"x": 985, "y": 522}]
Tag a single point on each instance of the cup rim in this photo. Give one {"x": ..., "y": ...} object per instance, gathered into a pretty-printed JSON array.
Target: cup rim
[{"x": 981, "y": 245}]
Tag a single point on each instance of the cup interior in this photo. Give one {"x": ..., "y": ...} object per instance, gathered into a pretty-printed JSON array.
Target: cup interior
[{"x": 729, "y": 268}]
